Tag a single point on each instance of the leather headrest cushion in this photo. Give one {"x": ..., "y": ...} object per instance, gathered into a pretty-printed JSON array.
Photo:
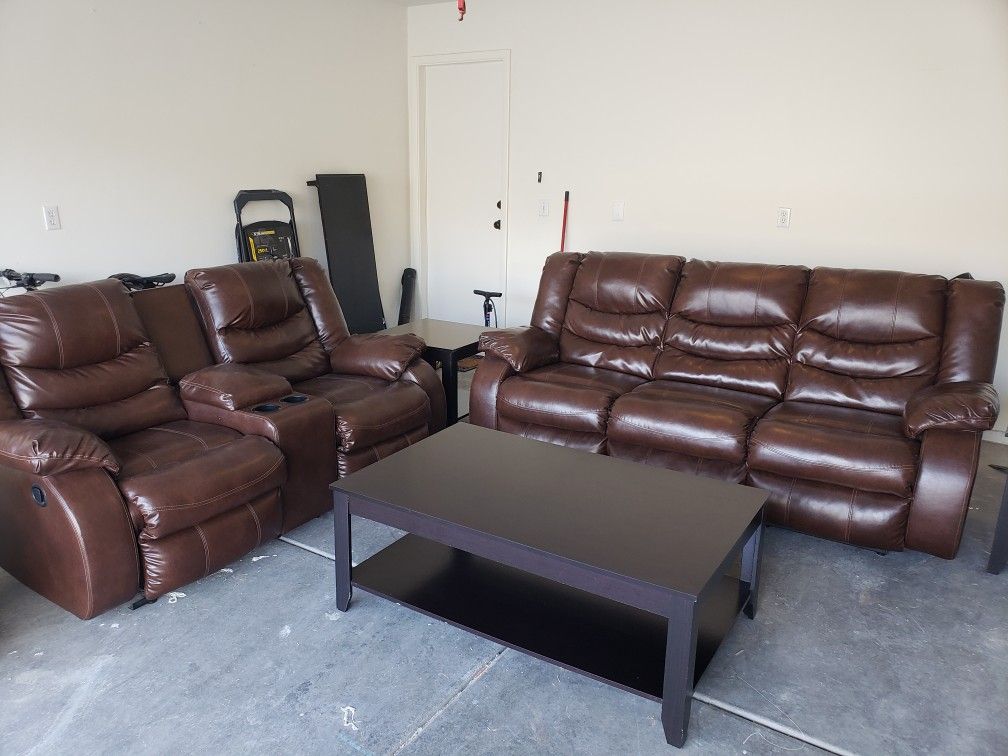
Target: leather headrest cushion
[
  {"x": 246, "y": 295},
  {"x": 625, "y": 282},
  {"x": 69, "y": 326},
  {"x": 741, "y": 294},
  {"x": 874, "y": 306}
]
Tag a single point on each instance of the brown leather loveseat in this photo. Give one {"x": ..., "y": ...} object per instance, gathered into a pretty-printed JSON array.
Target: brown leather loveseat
[
  {"x": 857, "y": 398},
  {"x": 129, "y": 460}
]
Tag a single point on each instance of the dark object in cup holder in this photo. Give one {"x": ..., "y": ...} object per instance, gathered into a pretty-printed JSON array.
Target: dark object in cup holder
[
  {"x": 266, "y": 407},
  {"x": 295, "y": 399}
]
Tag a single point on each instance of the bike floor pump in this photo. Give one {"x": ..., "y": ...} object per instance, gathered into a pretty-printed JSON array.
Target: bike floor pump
[{"x": 488, "y": 305}]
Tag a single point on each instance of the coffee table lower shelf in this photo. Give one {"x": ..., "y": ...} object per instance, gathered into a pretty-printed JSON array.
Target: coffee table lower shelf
[{"x": 611, "y": 642}]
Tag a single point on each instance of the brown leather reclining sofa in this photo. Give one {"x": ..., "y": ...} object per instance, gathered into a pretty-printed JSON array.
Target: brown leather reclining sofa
[
  {"x": 130, "y": 461},
  {"x": 857, "y": 398}
]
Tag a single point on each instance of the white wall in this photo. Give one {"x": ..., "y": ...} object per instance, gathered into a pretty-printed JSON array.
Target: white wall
[
  {"x": 141, "y": 120},
  {"x": 883, "y": 124}
]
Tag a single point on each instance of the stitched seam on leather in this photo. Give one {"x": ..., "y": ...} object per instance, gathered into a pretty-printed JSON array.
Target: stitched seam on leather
[
  {"x": 808, "y": 420},
  {"x": 149, "y": 459},
  {"x": 843, "y": 292},
  {"x": 208, "y": 323},
  {"x": 115, "y": 320},
  {"x": 223, "y": 495},
  {"x": 710, "y": 286},
  {"x": 850, "y": 514},
  {"x": 206, "y": 549},
  {"x": 80, "y": 544},
  {"x": 665, "y": 434},
  {"x": 895, "y": 309},
  {"x": 248, "y": 291},
  {"x": 56, "y": 329},
  {"x": 47, "y": 456},
  {"x": 283, "y": 290},
  {"x": 585, "y": 413},
  {"x": 636, "y": 288},
  {"x": 787, "y": 503},
  {"x": 394, "y": 421},
  {"x": 759, "y": 290},
  {"x": 255, "y": 519},
  {"x": 183, "y": 433},
  {"x": 813, "y": 463},
  {"x": 704, "y": 400},
  {"x": 598, "y": 275}
]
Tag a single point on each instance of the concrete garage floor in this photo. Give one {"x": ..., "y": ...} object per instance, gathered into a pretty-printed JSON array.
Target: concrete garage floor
[{"x": 901, "y": 653}]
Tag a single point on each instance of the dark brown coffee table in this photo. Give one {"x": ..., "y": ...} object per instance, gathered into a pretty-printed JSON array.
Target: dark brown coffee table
[
  {"x": 447, "y": 343},
  {"x": 630, "y": 574}
]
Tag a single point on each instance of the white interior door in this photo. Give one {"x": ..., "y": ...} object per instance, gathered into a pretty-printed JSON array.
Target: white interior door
[{"x": 464, "y": 111}]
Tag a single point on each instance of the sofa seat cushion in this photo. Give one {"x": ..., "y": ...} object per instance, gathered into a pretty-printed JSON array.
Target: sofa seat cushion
[
  {"x": 165, "y": 445},
  {"x": 169, "y": 499},
  {"x": 370, "y": 411},
  {"x": 688, "y": 418},
  {"x": 561, "y": 395},
  {"x": 856, "y": 448}
]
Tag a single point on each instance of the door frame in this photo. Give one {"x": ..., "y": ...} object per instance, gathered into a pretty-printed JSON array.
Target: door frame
[{"x": 418, "y": 66}]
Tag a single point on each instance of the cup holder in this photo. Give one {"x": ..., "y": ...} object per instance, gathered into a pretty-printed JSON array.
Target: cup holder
[
  {"x": 295, "y": 399},
  {"x": 266, "y": 408}
]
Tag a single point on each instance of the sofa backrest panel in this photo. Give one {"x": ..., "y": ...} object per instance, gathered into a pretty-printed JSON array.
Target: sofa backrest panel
[
  {"x": 80, "y": 354},
  {"x": 868, "y": 339},
  {"x": 733, "y": 325},
  {"x": 175, "y": 330},
  {"x": 254, "y": 313},
  {"x": 617, "y": 310},
  {"x": 554, "y": 291},
  {"x": 974, "y": 311},
  {"x": 318, "y": 294}
]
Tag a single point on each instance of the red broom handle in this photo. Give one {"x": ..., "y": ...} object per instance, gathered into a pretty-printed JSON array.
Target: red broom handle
[{"x": 563, "y": 228}]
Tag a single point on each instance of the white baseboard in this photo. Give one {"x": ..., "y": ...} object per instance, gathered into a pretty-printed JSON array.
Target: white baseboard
[{"x": 997, "y": 436}]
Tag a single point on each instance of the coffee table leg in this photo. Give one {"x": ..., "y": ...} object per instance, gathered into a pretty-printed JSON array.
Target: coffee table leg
[
  {"x": 341, "y": 519},
  {"x": 680, "y": 660},
  {"x": 449, "y": 379},
  {"x": 751, "y": 557},
  {"x": 999, "y": 548}
]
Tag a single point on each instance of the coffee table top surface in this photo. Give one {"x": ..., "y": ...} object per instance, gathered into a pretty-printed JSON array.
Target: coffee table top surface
[
  {"x": 652, "y": 525},
  {"x": 441, "y": 334}
]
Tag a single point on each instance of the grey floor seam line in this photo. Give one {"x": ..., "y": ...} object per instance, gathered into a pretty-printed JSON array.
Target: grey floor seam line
[
  {"x": 783, "y": 729},
  {"x": 472, "y": 680},
  {"x": 727, "y": 707}
]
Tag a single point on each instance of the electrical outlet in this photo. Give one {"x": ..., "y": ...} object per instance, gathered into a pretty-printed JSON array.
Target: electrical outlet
[
  {"x": 51, "y": 218},
  {"x": 618, "y": 211},
  {"x": 783, "y": 217},
  {"x": 544, "y": 208}
]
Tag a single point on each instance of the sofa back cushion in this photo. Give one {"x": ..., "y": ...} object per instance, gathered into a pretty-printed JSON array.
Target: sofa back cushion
[
  {"x": 733, "y": 325},
  {"x": 79, "y": 354},
  {"x": 617, "y": 309},
  {"x": 868, "y": 339},
  {"x": 255, "y": 314}
]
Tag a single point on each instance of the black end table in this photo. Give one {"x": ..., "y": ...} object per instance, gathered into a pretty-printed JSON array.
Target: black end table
[
  {"x": 447, "y": 343},
  {"x": 630, "y": 574},
  {"x": 999, "y": 548}
]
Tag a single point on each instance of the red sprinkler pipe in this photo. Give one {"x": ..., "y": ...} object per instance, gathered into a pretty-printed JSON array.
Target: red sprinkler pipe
[
  {"x": 461, "y": 9},
  {"x": 563, "y": 228}
]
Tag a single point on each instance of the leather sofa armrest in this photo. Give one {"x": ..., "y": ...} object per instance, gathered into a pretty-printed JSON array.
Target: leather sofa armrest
[
  {"x": 524, "y": 349},
  {"x": 961, "y": 405},
  {"x": 48, "y": 447},
  {"x": 232, "y": 387},
  {"x": 376, "y": 355}
]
